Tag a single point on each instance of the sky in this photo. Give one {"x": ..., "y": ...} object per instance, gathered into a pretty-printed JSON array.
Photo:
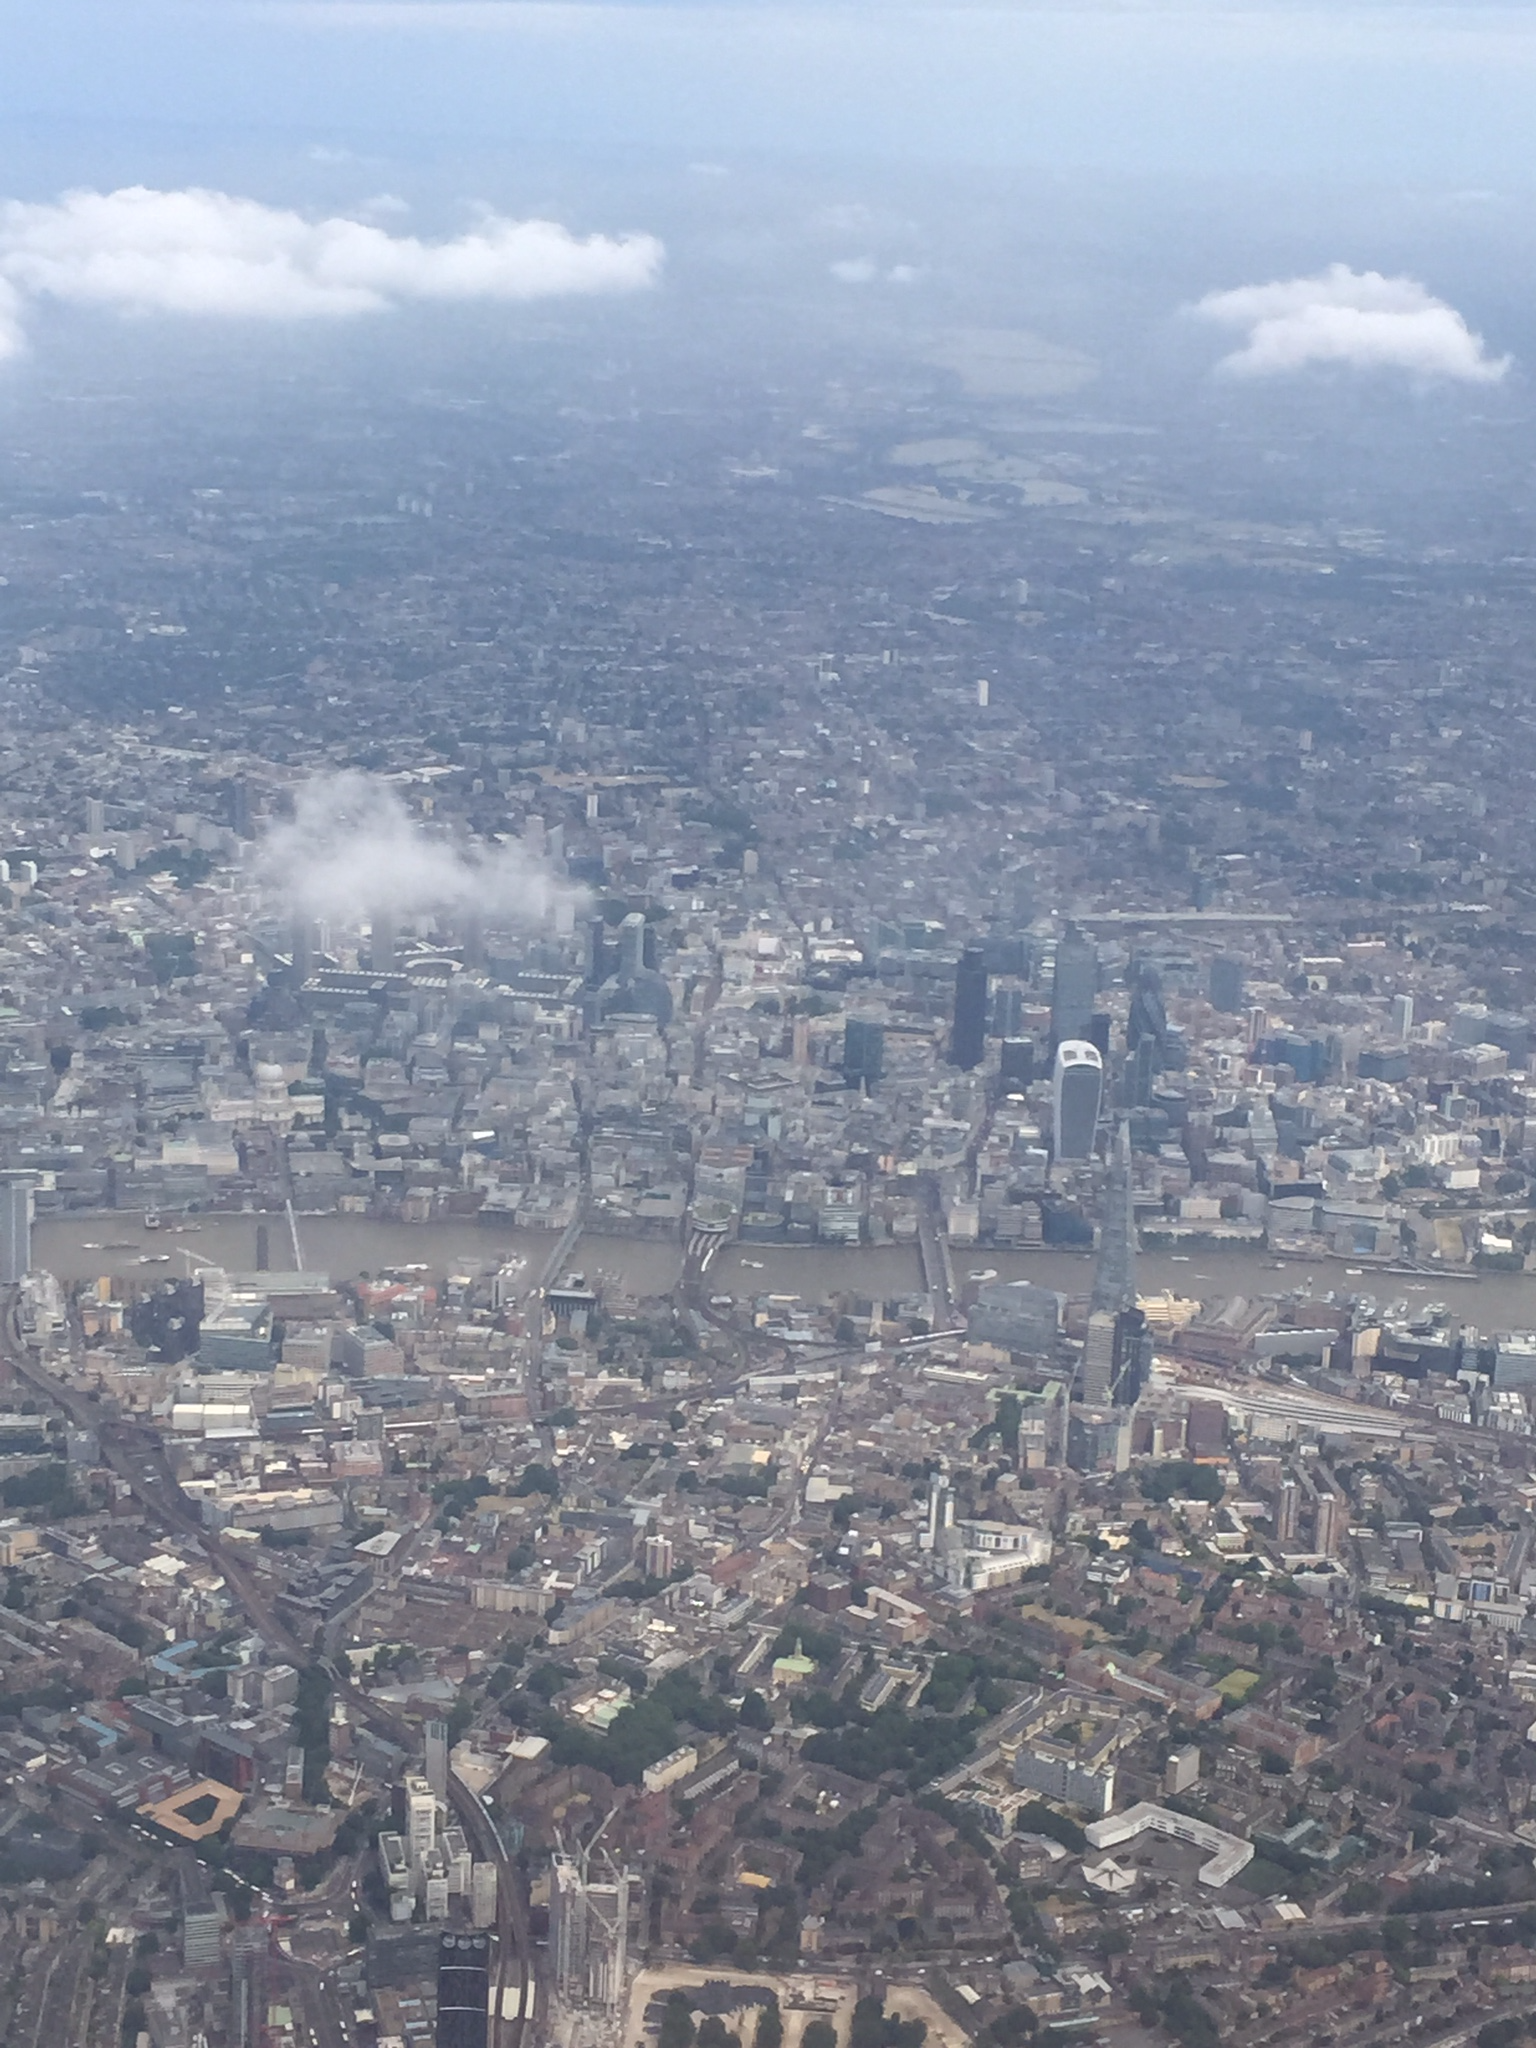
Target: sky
[
  {"x": 1377, "y": 93},
  {"x": 1365, "y": 166}
]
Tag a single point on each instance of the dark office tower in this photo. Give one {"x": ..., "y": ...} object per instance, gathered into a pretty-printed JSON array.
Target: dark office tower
[
  {"x": 463, "y": 1990},
  {"x": 1007, "y": 1012},
  {"x": 302, "y": 950},
  {"x": 1114, "y": 1279},
  {"x": 597, "y": 952},
  {"x": 863, "y": 1051},
  {"x": 968, "y": 1039},
  {"x": 381, "y": 944},
  {"x": 474, "y": 940},
  {"x": 263, "y": 1249},
  {"x": 1018, "y": 1063},
  {"x": 1132, "y": 1358},
  {"x": 245, "y": 2029},
  {"x": 1226, "y": 983},
  {"x": 1073, "y": 985},
  {"x": 1148, "y": 1016},
  {"x": 1099, "y": 1026},
  {"x": 1006, "y": 955},
  {"x": 1142, "y": 1070},
  {"x": 240, "y": 809}
]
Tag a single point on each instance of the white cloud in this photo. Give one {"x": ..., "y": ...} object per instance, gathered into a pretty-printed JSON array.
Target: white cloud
[
  {"x": 864, "y": 270},
  {"x": 210, "y": 253},
  {"x": 352, "y": 848},
  {"x": 1346, "y": 316}
]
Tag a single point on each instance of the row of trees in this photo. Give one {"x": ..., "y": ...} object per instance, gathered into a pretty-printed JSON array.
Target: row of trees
[
  {"x": 872, "y": 2027},
  {"x": 679, "y": 2031}
]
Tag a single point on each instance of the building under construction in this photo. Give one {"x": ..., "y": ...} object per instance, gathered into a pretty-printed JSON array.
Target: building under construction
[{"x": 589, "y": 1927}]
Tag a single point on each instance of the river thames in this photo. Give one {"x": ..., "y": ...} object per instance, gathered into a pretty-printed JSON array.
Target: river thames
[{"x": 345, "y": 1247}]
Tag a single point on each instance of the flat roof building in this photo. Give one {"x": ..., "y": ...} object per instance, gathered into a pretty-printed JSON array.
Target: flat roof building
[{"x": 1226, "y": 1854}]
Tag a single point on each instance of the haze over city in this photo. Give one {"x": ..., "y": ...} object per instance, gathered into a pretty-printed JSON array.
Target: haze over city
[{"x": 767, "y": 1025}]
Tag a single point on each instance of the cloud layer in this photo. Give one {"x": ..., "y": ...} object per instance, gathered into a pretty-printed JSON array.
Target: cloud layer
[
  {"x": 213, "y": 254},
  {"x": 1347, "y": 316},
  {"x": 352, "y": 848}
]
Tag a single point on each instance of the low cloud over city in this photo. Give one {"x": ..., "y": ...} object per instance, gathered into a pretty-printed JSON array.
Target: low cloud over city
[
  {"x": 207, "y": 253},
  {"x": 352, "y": 848},
  {"x": 1359, "y": 318}
]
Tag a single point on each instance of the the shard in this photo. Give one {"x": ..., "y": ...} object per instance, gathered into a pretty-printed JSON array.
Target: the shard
[{"x": 1114, "y": 1281}]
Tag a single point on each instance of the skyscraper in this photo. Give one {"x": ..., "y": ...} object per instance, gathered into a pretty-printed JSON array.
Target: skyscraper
[
  {"x": 15, "y": 1228},
  {"x": 381, "y": 946},
  {"x": 568, "y": 1926},
  {"x": 863, "y": 1051},
  {"x": 588, "y": 1930},
  {"x": 1076, "y": 1088},
  {"x": 1148, "y": 1016},
  {"x": 1098, "y": 1357},
  {"x": 1007, "y": 1012},
  {"x": 1098, "y": 1439},
  {"x": 599, "y": 953},
  {"x": 1132, "y": 1361},
  {"x": 202, "y": 1917},
  {"x": 1141, "y": 1072},
  {"x": 437, "y": 1757},
  {"x": 941, "y": 1512},
  {"x": 463, "y": 1990},
  {"x": 1073, "y": 985},
  {"x": 968, "y": 1039},
  {"x": 632, "y": 945},
  {"x": 1114, "y": 1278},
  {"x": 420, "y": 1820},
  {"x": 1226, "y": 984},
  {"x": 607, "y": 1938},
  {"x": 1117, "y": 1358},
  {"x": 302, "y": 949},
  {"x": 1017, "y": 1063}
]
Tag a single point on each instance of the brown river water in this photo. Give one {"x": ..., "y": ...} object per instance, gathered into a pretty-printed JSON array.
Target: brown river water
[{"x": 344, "y": 1247}]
